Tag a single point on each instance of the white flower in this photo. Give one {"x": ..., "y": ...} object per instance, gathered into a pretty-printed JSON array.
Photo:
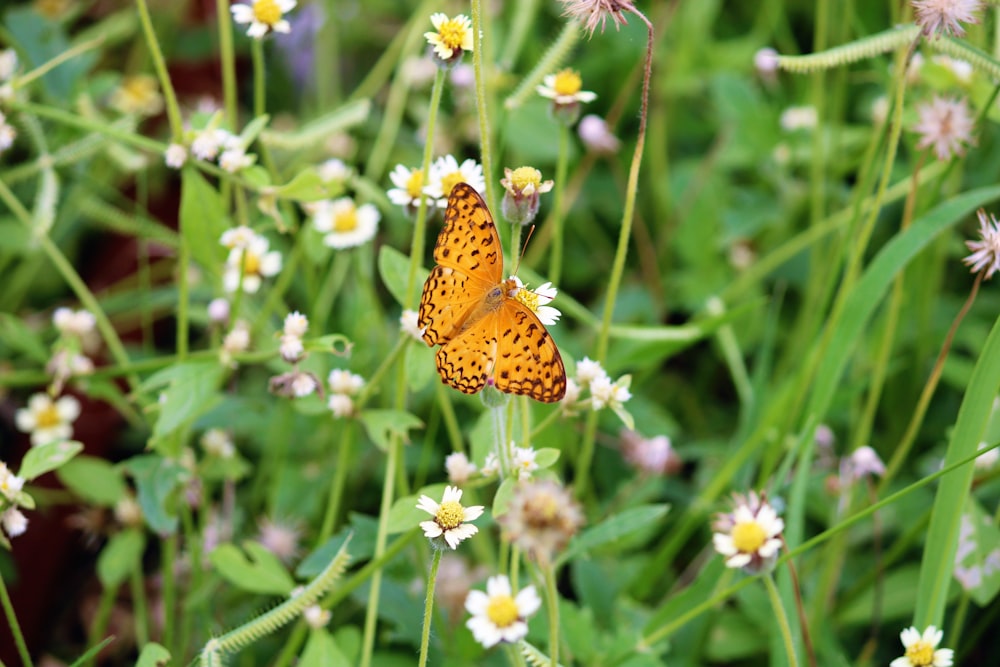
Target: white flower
[
  {"x": 296, "y": 324},
  {"x": 459, "y": 468},
  {"x": 594, "y": 133},
  {"x": 750, "y": 536},
  {"x": 409, "y": 186},
  {"x": 944, "y": 17},
  {"x": 257, "y": 261},
  {"x": 14, "y": 522},
  {"x": 446, "y": 173},
  {"x": 653, "y": 456},
  {"x": 345, "y": 224},
  {"x": 238, "y": 237},
  {"x": 798, "y": 118},
  {"x": 865, "y": 461},
  {"x": 450, "y": 517},
  {"x": 491, "y": 466},
  {"x": 8, "y": 64},
  {"x": 77, "y": 323},
  {"x": 316, "y": 617},
  {"x": 10, "y": 484},
  {"x": 524, "y": 461},
  {"x": 453, "y": 36},
  {"x": 564, "y": 88},
  {"x": 986, "y": 252},
  {"x": 765, "y": 61},
  {"x": 334, "y": 169},
  {"x": 263, "y": 16},
  {"x": 946, "y": 125},
  {"x": 291, "y": 348},
  {"x": 304, "y": 384},
  {"x": 572, "y": 392},
  {"x": 498, "y": 615},
  {"x": 605, "y": 393},
  {"x": 537, "y": 300},
  {"x": 48, "y": 420},
  {"x": 175, "y": 156},
  {"x": 217, "y": 442},
  {"x": 588, "y": 370},
  {"x": 409, "y": 324},
  {"x": 341, "y": 405},
  {"x": 235, "y": 159},
  {"x": 921, "y": 650},
  {"x": 236, "y": 341},
  {"x": 345, "y": 382},
  {"x": 208, "y": 142},
  {"x": 218, "y": 310}
]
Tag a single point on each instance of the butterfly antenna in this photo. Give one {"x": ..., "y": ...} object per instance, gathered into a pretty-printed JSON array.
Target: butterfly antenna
[{"x": 524, "y": 248}]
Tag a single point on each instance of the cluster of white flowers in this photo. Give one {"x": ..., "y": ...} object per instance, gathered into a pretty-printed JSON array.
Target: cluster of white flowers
[
  {"x": 460, "y": 469},
  {"x": 213, "y": 144},
  {"x": 445, "y": 173},
  {"x": 603, "y": 392},
  {"x": 77, "y": 333},
  {"x": 344, "y": 386},
  {"x": 250, "y": 260},
  {"x": 236, "y": 340},
  {"x": 13, "y": 521},
  {"x": 409, "y": 323},
  {"x": 297, "y": 383},
  {"x": 218, "y": 443},
  {"x": 343, "y": 223},
  {"x": 47, "y": 420}
]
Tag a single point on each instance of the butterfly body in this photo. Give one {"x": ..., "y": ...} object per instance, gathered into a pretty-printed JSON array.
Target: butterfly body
[{"x": 484, "y": 330}]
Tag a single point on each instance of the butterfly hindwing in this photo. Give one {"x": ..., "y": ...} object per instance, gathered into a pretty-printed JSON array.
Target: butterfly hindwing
[
  {"x": 528, "y": 361},
  {"x": 467, "y": 361}
]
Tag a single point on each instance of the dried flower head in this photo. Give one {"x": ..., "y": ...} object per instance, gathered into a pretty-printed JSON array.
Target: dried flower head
[
  {"x": 498, "y": 615},
  {"x": 946, "y": 125},
  {"x": 750, "y": 536},
  {"x": 945, "y": 17},
  {"x": 459, "y": 468},
  {"x": 594, "y": 12},
  {"x": 522, "y": 188},
  {"x": 864, "y": 461},
  {"x": 594, "y": 133},
  {"x": 922, "y": 650},
  {"x": 651, "y": 456},
  {"x": 985, "y": 252},
  {"x": 450, "y": 517},
  {"x": 541, "y": 518}
]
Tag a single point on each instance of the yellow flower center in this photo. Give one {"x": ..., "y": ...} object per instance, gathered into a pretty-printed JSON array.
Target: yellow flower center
[
  {"x": 522, "y": 177},
  {"x": 452, "y": 33},
  {"x": 749, "y": 536},
  {"x": 450, "y": 181},
  {"x": 48, "y": 417},
  {"x": 450, "y": 515},
  {"x": 502, "y": 610},
  {"x": 251, "y": 263},
  {"x": 528, "y": 298},
  {"x": 346, "y": 220},
  {"x": 920, "y": 653},
  {"x": 415, "y": 183},
  {"x": 267, "y": 11},
  {"x": 567, "y": 82}
]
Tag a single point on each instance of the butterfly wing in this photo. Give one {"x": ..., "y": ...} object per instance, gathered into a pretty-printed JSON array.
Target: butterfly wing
[
  {"x": 466, "y": 361},
  {"x": 470, "y": 263},
  {"x": 527, "y": 361}
]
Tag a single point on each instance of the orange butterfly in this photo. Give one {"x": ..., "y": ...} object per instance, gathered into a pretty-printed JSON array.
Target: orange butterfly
[{"x": 474, "y": 314}]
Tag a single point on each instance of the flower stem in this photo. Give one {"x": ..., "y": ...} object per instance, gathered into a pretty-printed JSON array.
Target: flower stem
[
  {"x": 782, "y": 618},
  {"x": 15, "y": 627},
  {"x": 482, "y": 107},
  {"x": 173, "y": 109},
  {"x": 339, "y": 481},
  {"x": 558, "y": 215},
  {"x": 552, "y": 604},
  {"x": 429, "y": 607},
  {"x": 228, "y": 57}
]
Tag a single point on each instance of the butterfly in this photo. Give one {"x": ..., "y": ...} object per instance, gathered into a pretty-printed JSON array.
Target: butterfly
[{"x": 474, "y": 315}]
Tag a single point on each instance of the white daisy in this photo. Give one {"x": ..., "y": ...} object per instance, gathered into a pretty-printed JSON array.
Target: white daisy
[
  {"x": 257, "y": 261},
  {"x": 537, "y": 300},
  {"x": 71, "y": 322},
  {"x": 48, "y": 420},
  {"x": 453, "y": 36},
  {"x": 450, "y": 517},
  {"x": 344, "y": 224},
  {"x": 564, "y": 88},
  {"x": 446, "y": 173},
  {"x": 10, "y": 484},
  {"x": 175, "y": 156},
  {"x": 409, "y": 323},
  {"x": 604, "y": 392},
  {"x": 345, "y": 382},
  {"x": 524, "y": 461},
  {"x": 921, "y": 650},
  {"x": 296, "y": 324},
  {"x": 341, "y": 405},
  {"x": 459, "y": 468},
  {"x": 264, "y": 16},
  {"x": 409, "y": 186},
  {"x": 498, "y": 615},
  {"x": 588, "y": 370},
  {"x": 750, "y": 536}
]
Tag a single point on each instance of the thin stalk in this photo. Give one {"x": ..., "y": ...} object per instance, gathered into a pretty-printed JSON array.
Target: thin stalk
[
  {"x": 782, "y": 618},
  {"x": 328, "y": 292},
  {"x": 138, "y": 589},
  {"x": 160, "y": 65},
  {"x": 15, "y": 627},
  {"x": 425, "y": 638},
  {"x": 339, "y": 482},
  {"x": 558, "y": 199},
  {"x": 259, "y": 79},
  {"x": 482, "y": 106},
  {"x": 552, "y": 605},
  {"x": 101, "y": 617},
  {"x": 168, "y": 555},
  {"x": 228, "y": 57}
]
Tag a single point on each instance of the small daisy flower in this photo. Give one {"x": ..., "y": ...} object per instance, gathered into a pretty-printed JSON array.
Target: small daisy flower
[
  {"x": 750, "y": 536},
  {"x": 409, "y": 187},
  {"x": 264, "y": 16},
  {"x": 409, "y": 324},
  {"x": 596, "y": 136},
  {"x": 8, "y": 64},
  {"x": 48, "y": 420},
  {"x": 257, "y": 262},
  {"x": 281, "y": 539},
  {"x": 541, "y": 518},
  {"x": 865, "y": 461},
  {"x": 945, "y": 17},
  {"x": 341, "y": 405},
  {"x": 238, "y": 237},
  {"x": 10, "y": 484},
  {"x": 651, "y": 456},
  {"x": 345, "y": 382},
  {"x": 217, "y": 442},
  {"x": 498, "y": 615},
  {"x": 564, "y": 88},
  {"x": 296, "y": 324},
  {"x": 208, "y": 142},
  {"x": 235, "y": 159},
  {"x": 14, "y": 522},
  {"x": 985, "y": 252},
  {"x": 946, "y": 125},
  {"x": 799, "y": 118},
  {"x": 452, "y": 37},
  {"x": 491, "y": 466},
  {"x": 522, "y": 187},
  {"x": 137, "y": 94},
  {"x": 588, "y": 370},
  {"x": 450, "y": 517},
  {"x": 605, "y": 393},
  {"x": 316, "y": 617},
  {"x": 537, "y": 300},
  {"x": 459, "y": 468},
  {"x": 344, "y": 223},
  {"x": 175, "y": 156},
  {"x": 291, "y": 348},
  {"x": 592, "y": 12},
  {"x": 525, "y": 461},
  {"x": 446, "y": 173},
  {"x": 334, "y": 170},
  {"x": 237, "y": 340},
  {"x": 922, "y": 650},
  {"x": 304, "y": 384},
  {"x": 69, "y": 322}
]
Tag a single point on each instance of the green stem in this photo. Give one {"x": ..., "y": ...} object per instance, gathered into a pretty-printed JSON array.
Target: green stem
[
  {"x": 552, "y": 604},
  {"x": 501, "y": 446},
  {"x": 335, "y": 277},
  {"x": 339, "y": 482},
  {"x": 259, "y": 78},
  {"x": 15, "y": 627},
  {"x": 429, "y": 608},
  {"x": 160, "y": 65},
  {"x": 782, "y": 618},
  {"x": 168, "y": 555},
  {"x": 100, "y": 624},
  {"x": 558, "y": 197},
  {"x": 228, "y": 57},
  {"x": 138, "y": 589},
  {"x": 482, "y": 106}
]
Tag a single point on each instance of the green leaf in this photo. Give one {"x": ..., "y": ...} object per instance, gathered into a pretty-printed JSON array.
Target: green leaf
[
  {"x": 381, "y": 425},
  {"x": 252, "y": 129},
  {"x": 315, "y": 132},
  {"x": 191, "y": 391},
  {"x": 40, "y": 40},
  {"x": 93, "y": 479},
  {"x": 153, "y": 655},
  {"x": 546, "y": 457},
  {"x": 307, "y": 186},
  {"x": 156, "y": 480},
  {"x": 202, "y": 220},
  {"x": 394, "y": 268},
  {"x": 16, "y": 335},
  {"x": 40, "y": 460},
  {"x": 978, "y": 554},
  {"x": 405, "y": 515},
  {"x": 259, "y": 572},
  {"x": 120, "y": 557},
  {"x": 501, "y": 501},
  {"x": 613, "y": 529},
  {"x": 419, "y": 361},
  {"x": 321, "y": 651}
]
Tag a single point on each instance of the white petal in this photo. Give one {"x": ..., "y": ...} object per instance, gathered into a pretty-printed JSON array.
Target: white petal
[
  {"x": 909, "y": 636},
  {"x": 431, "y": 529},
  {"x": 257, "y": 30},
  {"x": 901, "y": 662},
  {"x": 724, "y": 544},
  {"x": 943, "y": 657},
  {"x": 25, "y": 420},
  {"x": 739, "y": 560},
  {"x": 527, "y": 601},
  {"x": 499, "y": 585},
  {"x": 474, "y": 512},
  {"x": 428, "y": 504},
  {"x": 452, "y": 494},
  {"x": 242, "y": 13},
  {"x": 282, "y": 26},
  {"x": 514, "y": 632},
  {"x": 476, "y": 602},
  {"x": 485, "y": 632},
  {"x": 932, "y": 635}
]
